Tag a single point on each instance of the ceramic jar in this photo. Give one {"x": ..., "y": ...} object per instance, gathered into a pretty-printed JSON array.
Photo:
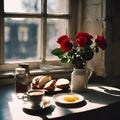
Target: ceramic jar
[{"x": 79, "y": 79}]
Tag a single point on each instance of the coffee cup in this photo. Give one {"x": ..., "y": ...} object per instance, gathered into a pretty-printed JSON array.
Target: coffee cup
[{"x": 34, "y": 97}]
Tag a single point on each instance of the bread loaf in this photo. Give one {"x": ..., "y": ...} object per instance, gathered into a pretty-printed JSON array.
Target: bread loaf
[{"x": 40, "y": 81}]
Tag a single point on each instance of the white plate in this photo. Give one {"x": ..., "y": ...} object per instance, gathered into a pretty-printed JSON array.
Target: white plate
[{"x": 59, "y": 98}]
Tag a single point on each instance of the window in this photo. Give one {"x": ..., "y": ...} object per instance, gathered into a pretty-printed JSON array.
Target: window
[{"x": 29, "y": 29}]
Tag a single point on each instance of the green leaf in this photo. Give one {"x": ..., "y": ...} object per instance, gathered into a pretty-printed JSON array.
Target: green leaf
[
  {"x": 57, "y": 52},
  {"x": 64, "y": 60},
  {"x": 87, "y": 54},
  {"x": 60, "y": 56}
]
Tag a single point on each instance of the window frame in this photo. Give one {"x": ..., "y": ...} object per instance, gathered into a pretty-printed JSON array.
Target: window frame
[{"x": 72, "y": 17}]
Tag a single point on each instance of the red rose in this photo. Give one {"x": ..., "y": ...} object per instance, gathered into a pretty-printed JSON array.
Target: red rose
[
  {"x": 66, "y": 45},
  {"x": 84, "y": 34},
  {"x": 83, "y": 42},
  {"x": 100, "y": 42},
  {"x": 62, "y": 38}
]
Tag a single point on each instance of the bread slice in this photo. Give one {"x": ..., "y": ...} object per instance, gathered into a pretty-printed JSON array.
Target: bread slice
[
  {"x": 40, "y": 81},
  {"x": 62, "y": 83},
  {"x": 35, "y": 81},
  {"x": 50, "y": 86}
]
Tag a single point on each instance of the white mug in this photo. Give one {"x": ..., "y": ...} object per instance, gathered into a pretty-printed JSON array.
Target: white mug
[{"x": 35, "y": 97}]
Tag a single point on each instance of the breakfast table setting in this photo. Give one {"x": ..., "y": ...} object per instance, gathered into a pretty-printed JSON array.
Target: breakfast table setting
[
  {"x": 48, "y": 98},
  {"x": 95, "y": 102}
]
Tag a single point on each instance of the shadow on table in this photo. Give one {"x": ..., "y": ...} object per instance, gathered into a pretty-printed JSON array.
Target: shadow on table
[
  {"x": 106, "y": 97},
  {"x": 40, "y": 112},
  {"x": 113, "y": 92},
  {"x": 74, "y": 105}
]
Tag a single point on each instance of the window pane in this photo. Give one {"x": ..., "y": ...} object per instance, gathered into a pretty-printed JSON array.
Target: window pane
[
  {"x": 22, "y": 6},
  {"x": 21, "y": 38},
  {"x": 55, "y": 28},
  {"x": 58, "y": 6}
]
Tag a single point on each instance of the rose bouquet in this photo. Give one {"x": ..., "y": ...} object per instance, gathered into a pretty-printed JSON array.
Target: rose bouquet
[{"x": 80, "y": 51}]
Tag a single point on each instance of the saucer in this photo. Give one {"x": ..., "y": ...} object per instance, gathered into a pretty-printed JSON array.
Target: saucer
[{"x": 46, "y": 102}]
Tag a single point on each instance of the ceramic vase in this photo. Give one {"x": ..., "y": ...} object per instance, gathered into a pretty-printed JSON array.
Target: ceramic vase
[{"x": 79, "y": 79}]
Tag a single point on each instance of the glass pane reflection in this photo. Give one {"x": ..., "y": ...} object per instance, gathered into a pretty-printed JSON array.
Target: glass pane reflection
[
  {"x": 58, "y": 6},
  {"x": 55, "y": 28},
  {"x": 21, "y": 38},
  {"x": 22, "y": 6}
]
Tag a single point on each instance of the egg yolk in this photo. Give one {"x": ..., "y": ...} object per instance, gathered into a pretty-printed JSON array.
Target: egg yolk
[{"x": 71, "y": 98}]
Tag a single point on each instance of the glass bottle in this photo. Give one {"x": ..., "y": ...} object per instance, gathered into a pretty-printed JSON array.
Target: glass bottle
[{"x": 21, "y": 81}]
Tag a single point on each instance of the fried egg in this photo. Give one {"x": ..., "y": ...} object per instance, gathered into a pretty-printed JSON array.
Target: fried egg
[{"x": 70, "y": 98}]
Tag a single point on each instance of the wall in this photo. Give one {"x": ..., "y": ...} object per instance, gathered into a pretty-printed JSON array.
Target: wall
[
  {"x": 102, "y": 17},
  {"x": 92, "y": 21},
  {"x": 112, "y": 58}
]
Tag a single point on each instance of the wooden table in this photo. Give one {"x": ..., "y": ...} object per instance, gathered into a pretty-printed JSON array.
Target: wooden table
[{"x": 101, "y": 103}]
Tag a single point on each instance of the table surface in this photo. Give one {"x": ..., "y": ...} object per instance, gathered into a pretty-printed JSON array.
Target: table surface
[{"x": 100, "y": 102}]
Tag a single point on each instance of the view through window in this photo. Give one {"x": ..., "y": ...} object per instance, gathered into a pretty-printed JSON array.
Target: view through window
[{"x": 23, "y": 27}]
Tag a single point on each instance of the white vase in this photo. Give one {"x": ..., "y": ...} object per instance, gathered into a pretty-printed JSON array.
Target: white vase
[{"x": 79, "y": 79}]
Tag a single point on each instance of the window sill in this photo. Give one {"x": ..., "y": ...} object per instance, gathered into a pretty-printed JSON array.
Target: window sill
[{"x": 7, "y": 78}]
